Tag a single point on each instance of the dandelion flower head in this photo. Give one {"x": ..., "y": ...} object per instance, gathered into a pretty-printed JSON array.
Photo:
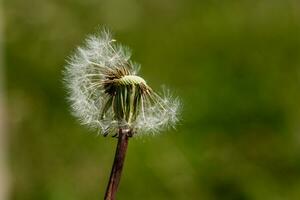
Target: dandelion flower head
[{"x": 107, "y": 94}]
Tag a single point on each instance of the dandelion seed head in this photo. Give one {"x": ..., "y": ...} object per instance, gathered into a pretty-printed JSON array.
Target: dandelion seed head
[{"x": 106, "y": 93}]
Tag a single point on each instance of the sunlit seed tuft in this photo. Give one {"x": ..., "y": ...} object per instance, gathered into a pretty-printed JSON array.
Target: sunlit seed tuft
[{"x": 106, "y": 93}]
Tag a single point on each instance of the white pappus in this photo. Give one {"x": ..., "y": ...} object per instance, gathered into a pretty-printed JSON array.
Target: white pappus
[{"x": 107, "y": 94}]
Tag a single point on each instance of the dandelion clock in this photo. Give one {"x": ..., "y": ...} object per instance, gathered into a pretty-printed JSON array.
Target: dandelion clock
[{"x": 107, "y": 94}]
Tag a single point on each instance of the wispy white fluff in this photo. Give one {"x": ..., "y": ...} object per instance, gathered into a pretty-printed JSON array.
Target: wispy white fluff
[{"x": 84, "y": 75}]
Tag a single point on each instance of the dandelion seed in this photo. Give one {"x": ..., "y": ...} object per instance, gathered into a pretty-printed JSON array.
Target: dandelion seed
[{"x": 106, "y": 93}]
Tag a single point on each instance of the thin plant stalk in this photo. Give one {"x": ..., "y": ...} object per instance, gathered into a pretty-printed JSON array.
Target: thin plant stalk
[{"x": 117, "y": 167}]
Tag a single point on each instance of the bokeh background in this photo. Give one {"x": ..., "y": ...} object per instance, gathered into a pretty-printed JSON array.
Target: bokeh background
[{"x": 235, "y": 64}]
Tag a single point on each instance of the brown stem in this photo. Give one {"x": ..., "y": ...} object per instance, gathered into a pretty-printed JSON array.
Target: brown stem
[{"x": 117, "y": 167}]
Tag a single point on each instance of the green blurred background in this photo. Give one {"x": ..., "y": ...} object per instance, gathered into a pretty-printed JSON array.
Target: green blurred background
[{"x": 235, "y": 64}]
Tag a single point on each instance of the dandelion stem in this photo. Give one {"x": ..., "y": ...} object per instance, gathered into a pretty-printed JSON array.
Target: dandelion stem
[{"x": 117, "y": 167}]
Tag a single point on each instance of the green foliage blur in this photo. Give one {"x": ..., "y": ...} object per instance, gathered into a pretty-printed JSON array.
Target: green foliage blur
[{"x": 235, "y": 64}]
